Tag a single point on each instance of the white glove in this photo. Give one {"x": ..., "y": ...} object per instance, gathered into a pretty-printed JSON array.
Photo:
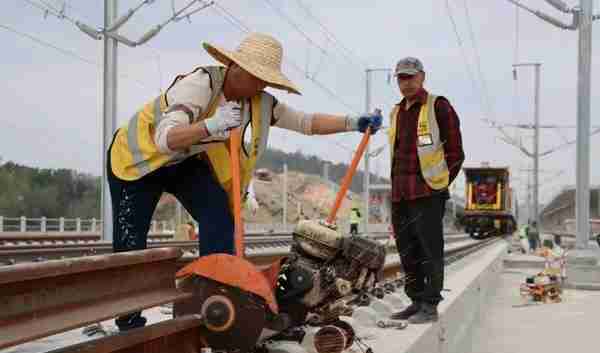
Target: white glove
[
  {"x": 226, "y": 118},
  {"x": 252, "y": 204}
]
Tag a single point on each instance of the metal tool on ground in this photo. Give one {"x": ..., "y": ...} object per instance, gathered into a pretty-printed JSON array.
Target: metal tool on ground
[{"x": 397, "y": 324}]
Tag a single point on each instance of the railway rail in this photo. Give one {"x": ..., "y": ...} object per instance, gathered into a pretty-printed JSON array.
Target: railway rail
[{"x": 36, "y": 248}]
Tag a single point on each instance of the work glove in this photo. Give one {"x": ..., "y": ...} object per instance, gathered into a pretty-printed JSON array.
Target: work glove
[
  {"x": 252, "y": 204},
  {"x": 362, "y": 122},
  {"x": 226, "y": 118}
]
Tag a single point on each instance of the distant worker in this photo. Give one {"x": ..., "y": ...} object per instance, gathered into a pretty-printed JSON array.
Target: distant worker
[
  {"x": 354, "y": 220},
  {"x": 427, "y": 155},
  {"x": 523, "y": 239},
  {"x": 178, "y": 143},
  {"x": 251, "y": 201},
  {"x": 533, "y": 235}
]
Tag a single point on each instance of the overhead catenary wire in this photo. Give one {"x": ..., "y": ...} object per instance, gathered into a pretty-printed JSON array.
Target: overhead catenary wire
[
  {"x": 42, "y": 42},
  {"x": 348, "y": 54},
  {"x": 485, "y": 93},
  {"x": 332, "y": 37},
  {"x": 289, "y": 20},
  {"x": 48, "y": 9},
  {"x": 64, "y": 51},
  {"x": 235, "y": 21},
  {"x": 324, "y": 52},
  {"x": 464, "y": 54}
]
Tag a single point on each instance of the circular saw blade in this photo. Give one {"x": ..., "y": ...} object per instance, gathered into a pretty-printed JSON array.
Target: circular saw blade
[{"x": 246, "y": 310}]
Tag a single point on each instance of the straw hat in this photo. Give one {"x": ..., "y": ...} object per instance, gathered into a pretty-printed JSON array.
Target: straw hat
[{"x": 260, "y": 55}]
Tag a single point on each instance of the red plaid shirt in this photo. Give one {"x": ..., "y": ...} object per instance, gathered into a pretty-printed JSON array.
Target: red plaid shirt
[{"x": 407, "y": 180}]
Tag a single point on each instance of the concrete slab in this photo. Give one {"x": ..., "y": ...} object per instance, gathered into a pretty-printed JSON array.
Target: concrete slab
[{"x": 511, "y": 326}]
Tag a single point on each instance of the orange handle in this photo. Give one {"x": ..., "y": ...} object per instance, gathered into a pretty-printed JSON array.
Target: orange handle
[
  {"x": 234, "y": 153},
  {"x": 349, "y": 174}
]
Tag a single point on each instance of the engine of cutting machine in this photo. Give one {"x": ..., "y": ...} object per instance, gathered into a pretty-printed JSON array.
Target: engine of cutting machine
[{"x": 325, "y": 269}]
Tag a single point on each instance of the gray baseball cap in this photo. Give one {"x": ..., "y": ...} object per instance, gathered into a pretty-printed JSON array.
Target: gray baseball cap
[{"x": 408, "y": 66}]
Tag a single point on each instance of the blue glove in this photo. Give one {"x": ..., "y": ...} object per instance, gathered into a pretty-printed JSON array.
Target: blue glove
[{"x": 373, "y": 121}]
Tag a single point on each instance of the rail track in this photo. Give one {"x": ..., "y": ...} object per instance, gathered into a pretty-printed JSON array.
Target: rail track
[
  {"x": 18, "y": 248},
  {"x": 44, "y": 298}
]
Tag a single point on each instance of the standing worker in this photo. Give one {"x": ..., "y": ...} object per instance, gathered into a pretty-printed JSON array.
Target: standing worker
[
  {"x": 427, "y": 155},
  {"x": 179, "y": 143},
  {"x": 533, "y": 235},
  {"x": 354, "y": 220},
  {"x": 523, "y": 239}
]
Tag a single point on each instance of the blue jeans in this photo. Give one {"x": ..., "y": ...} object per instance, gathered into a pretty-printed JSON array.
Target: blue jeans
[
  {"x": 532, "y": 243},
  {"x": 193, "y": 184}
]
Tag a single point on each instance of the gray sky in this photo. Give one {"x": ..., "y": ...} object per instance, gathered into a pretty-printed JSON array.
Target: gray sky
[{"x": 52, "y": 101}]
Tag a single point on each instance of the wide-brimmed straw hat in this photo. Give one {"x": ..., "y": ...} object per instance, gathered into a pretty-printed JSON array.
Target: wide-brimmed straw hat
[{"x": 260, "y": 55}]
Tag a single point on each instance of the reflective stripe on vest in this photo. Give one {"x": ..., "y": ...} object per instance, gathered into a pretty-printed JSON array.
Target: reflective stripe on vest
[
  {"x": 430, "y": 148},
  {"x": 354, "y": 218},
  {"x": 139, "y": 160}
]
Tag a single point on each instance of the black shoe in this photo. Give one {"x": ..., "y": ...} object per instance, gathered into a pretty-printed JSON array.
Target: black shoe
[
  {"x": 130, "y": 321},
  {"x": 411, "y": 310},
  {"x": 427, "y": 314}
]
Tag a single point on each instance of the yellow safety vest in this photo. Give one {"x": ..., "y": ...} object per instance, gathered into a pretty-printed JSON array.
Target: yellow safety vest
[
  {"x": 134, "y": 153},
  {"x": 354, "y": 218},
  {"x": 430, "y": 148}
]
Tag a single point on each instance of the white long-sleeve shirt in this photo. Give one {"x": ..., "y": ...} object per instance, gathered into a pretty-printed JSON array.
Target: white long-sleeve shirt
[{"x": 194, "y": 92}]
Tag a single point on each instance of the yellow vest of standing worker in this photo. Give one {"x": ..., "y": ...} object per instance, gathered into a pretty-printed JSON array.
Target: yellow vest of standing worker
[
  {"x": 134, "y": 153},
  {"x": 354, "y": 218},
  {"x": 430, "y": 148}
]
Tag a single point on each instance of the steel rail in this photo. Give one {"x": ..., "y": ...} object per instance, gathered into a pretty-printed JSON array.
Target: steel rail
[
  {"x": 42, "y": 299},
  {"x": 258, "y": 245}
]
